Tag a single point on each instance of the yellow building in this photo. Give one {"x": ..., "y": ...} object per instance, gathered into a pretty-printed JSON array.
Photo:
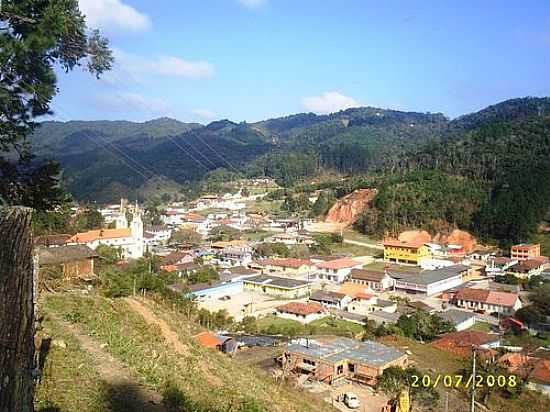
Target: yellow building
[
  {"x": 277, "y": 286},
  {"x": 396, "y": 251},
  {"x": 287, "y": 266}
]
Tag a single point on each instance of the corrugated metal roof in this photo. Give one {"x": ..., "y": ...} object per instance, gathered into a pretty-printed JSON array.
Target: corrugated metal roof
[{"x": 337, "y": 349}]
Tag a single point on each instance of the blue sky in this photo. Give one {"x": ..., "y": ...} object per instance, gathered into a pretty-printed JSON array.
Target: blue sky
[{"x": 200, "y": 60}]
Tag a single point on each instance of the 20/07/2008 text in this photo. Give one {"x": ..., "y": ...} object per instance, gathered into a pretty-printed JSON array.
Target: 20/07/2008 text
[{"x": 456, "y": 381}]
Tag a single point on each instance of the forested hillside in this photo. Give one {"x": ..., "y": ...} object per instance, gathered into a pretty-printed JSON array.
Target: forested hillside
[
  {"x": 104, "y": 160},
  {"x": 489, "y": 173}
]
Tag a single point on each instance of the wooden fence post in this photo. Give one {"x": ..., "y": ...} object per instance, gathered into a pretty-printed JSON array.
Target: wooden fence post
[{"x": 16, "y": 310}]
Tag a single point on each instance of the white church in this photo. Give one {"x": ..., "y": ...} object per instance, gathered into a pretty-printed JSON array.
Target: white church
[{"x": 127, "y": 237}]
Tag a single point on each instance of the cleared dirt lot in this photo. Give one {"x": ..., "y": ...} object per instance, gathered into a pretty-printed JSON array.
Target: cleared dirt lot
[
  {"x": 370, "y": 401},
  {"x": 244, "y": 304}
]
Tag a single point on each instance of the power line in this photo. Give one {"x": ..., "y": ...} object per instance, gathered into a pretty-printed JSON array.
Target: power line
[
  {"x": 221, "y": 157},
  {"x": 188, "y": 153},
  {"x": 45, "y": 100}
]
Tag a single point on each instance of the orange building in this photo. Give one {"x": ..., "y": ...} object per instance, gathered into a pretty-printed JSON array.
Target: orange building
[{"x": 525, "y": 251}]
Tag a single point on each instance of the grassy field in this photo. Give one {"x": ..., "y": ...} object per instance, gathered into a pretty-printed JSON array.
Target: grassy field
[
  {"x": 269, "y": 206},
  {"x": 359, "y": 237},
  {"x": 355, "y": 250},
  {"x": 206, "y": 379},
  {"x": 481, "y": 327},
  {"x": 525, "y": 340},
  {"x": 324, "y": 326},
  {"x": 380, "y": 267},
  {"x": 424, "y": 355},
  {"x": 255, "y": 236}
]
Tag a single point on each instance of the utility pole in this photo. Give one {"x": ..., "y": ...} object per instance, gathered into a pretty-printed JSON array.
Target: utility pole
[{"x": 472, "y": 408}]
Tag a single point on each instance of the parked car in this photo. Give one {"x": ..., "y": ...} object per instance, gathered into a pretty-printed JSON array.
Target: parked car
[
  {"x": 224, "y": 298},
  {"x": 351, "y": 400}
]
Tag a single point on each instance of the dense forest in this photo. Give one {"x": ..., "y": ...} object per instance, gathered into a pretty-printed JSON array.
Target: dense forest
[{"x": 492, "y": 167}]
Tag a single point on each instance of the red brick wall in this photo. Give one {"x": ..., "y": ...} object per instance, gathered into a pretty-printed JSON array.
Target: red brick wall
[{"x": 74, "y": 269}]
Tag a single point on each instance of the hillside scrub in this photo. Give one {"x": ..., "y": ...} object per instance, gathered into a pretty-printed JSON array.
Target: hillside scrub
[{"x": 209, "y": 380}]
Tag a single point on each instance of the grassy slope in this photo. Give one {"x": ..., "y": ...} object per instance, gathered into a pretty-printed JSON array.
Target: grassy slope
[
  {"x": 208, "y": 380},
  {"x": 70, "y": 381}
]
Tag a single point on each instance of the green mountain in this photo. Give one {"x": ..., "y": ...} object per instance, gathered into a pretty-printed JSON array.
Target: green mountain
[{"x": 103, "y": 160}]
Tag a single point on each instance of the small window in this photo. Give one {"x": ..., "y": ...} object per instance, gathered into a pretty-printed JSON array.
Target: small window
[
  {"x": 340, "y": 369},
  {"x": 351, "y": 367}
]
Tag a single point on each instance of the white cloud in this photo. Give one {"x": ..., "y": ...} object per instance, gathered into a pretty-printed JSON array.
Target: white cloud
[
  {"x": 162, "y": 65},
  {"x": 175, "y": 66},
  {"x": 329, "y": 102},
  {"x": 113, "y": 15},
  {"x": 204, "y": 113},
  {"x": 127, "y": 101},
  {"x": 251, "y": 4}
]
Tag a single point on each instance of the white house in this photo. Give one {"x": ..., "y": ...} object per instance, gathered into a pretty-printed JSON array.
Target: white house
[
  {"x": 302, "y": 312},
  {"x": 459, "y": 318},
  {"x": 331, "y": 299},
  {"x": 173, "y": 217},
  {"x": 336, "y": 270},
  {"x": 429, "y": 263},
  {"x": 157, "y": 235},
  {"x": 371, "y": 279}
]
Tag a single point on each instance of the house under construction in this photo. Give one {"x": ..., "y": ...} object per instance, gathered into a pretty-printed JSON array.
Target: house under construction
[{"x": 332, "y": 359}]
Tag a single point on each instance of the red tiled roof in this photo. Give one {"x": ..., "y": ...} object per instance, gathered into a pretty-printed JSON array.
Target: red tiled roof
[
  {"x": 208, "y": 339},
  {"x": 541, "y": 371},
  {"x": 92, "y": 235},
  {"x": 527, "y": 265},
  {"x": 355, "y": 290},
  {"x": 471, "y": 294},
  {"x": 525, "y": 246},
  {"x": 502, "y": 298},
  {"x": 300, "y": 308},
  {"x": 460, "y": 343},
  {"x": 463, "y": 339},
  {"x": 398, "y": 243},
  {"x": 490, "y": 297},
  {"x": 514, "y": 360},
  {"x": 339, "y": 264},
  {"x": 174, "y": 257},
  {"x": 370, "y": 275}
]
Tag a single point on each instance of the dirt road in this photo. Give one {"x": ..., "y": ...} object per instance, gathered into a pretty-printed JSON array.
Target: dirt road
[{"x": 369, "y": 245}]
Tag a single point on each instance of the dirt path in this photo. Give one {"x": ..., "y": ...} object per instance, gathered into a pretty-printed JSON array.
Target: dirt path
[
  {"x": 169, "y": 335},
  {"x": 369, "y": 245},
  {"x": 124, "y": 391}
]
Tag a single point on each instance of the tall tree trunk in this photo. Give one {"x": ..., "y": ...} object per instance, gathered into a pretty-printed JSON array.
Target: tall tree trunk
[{"x": 16, "y": 310}]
